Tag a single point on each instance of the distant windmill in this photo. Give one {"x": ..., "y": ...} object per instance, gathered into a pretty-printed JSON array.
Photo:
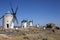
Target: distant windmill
[
  {"x": 31, "y": 23},
  {"x": 9, "y": 19},
  {"x": 24, "y": 23}
]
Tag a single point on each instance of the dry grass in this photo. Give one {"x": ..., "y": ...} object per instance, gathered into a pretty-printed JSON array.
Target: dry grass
[{"x": 32, "y": 33}]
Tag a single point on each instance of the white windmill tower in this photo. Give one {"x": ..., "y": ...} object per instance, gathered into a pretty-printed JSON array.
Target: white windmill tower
[
  {"x": 24, "y": 23},
  {"x": 37, "y": 25},
  {"x": 31, "y": 23},
  {"x": 7, "y": 21},
  {"x": 9, "y": 18}
]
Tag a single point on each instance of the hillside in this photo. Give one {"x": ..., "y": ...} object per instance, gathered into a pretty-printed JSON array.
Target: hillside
[{"x": 32, "y": 33}]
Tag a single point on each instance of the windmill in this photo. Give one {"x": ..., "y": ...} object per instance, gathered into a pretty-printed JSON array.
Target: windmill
[
  {"x": 9, "y": 18},
  {"x": 24, "y": 23},
  {"x": 31, "y": 23}
]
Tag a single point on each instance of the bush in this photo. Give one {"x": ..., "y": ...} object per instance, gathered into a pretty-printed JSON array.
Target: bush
[
  {"x": 44, "y": 39},
  {"x": 25, "y": 37}
]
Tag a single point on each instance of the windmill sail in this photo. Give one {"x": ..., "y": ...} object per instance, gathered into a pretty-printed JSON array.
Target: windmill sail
[
  {"x": 1, "y": 17},
  {"x": 14, "y": 14}
]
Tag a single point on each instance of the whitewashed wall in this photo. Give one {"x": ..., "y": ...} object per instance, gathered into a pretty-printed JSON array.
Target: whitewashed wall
[
  {"x": 30, "y": 23},
  {"x": 24, "y": 24}
]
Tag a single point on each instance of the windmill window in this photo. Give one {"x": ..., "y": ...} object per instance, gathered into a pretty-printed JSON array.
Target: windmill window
[{"x": 7, "y": 21}]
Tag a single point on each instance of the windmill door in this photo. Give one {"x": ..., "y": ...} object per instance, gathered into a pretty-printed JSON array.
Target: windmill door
[{"x": 7, "y": 25}]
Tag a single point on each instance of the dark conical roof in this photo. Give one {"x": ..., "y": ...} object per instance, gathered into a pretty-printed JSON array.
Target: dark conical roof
[
  {"x": 30, "y": 21},
  {"x": 24, "y": 21}
]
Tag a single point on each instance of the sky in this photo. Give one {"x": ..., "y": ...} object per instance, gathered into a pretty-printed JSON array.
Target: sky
[{"x": 40, "y": 11}]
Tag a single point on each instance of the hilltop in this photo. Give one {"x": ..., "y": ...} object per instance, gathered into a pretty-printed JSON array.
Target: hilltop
[{"x": 32, "y": 33}]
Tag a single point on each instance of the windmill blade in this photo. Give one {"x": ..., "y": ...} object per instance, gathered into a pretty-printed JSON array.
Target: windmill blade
[
  {"x": 16, "y": 19},
  {"x": 13, "y": 20},
  {"x": 1, "y": 17},
  {"x": 16, "y": 10},
  {"x": 11, "y": 7}
]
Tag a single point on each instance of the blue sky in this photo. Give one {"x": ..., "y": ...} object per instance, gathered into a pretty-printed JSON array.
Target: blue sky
[{"x": 40, "y": 11}]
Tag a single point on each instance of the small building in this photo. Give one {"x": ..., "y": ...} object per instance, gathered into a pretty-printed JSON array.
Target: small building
[
  {"x": 24, "y": 23},
  {"x": 44, "y": 27}
]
